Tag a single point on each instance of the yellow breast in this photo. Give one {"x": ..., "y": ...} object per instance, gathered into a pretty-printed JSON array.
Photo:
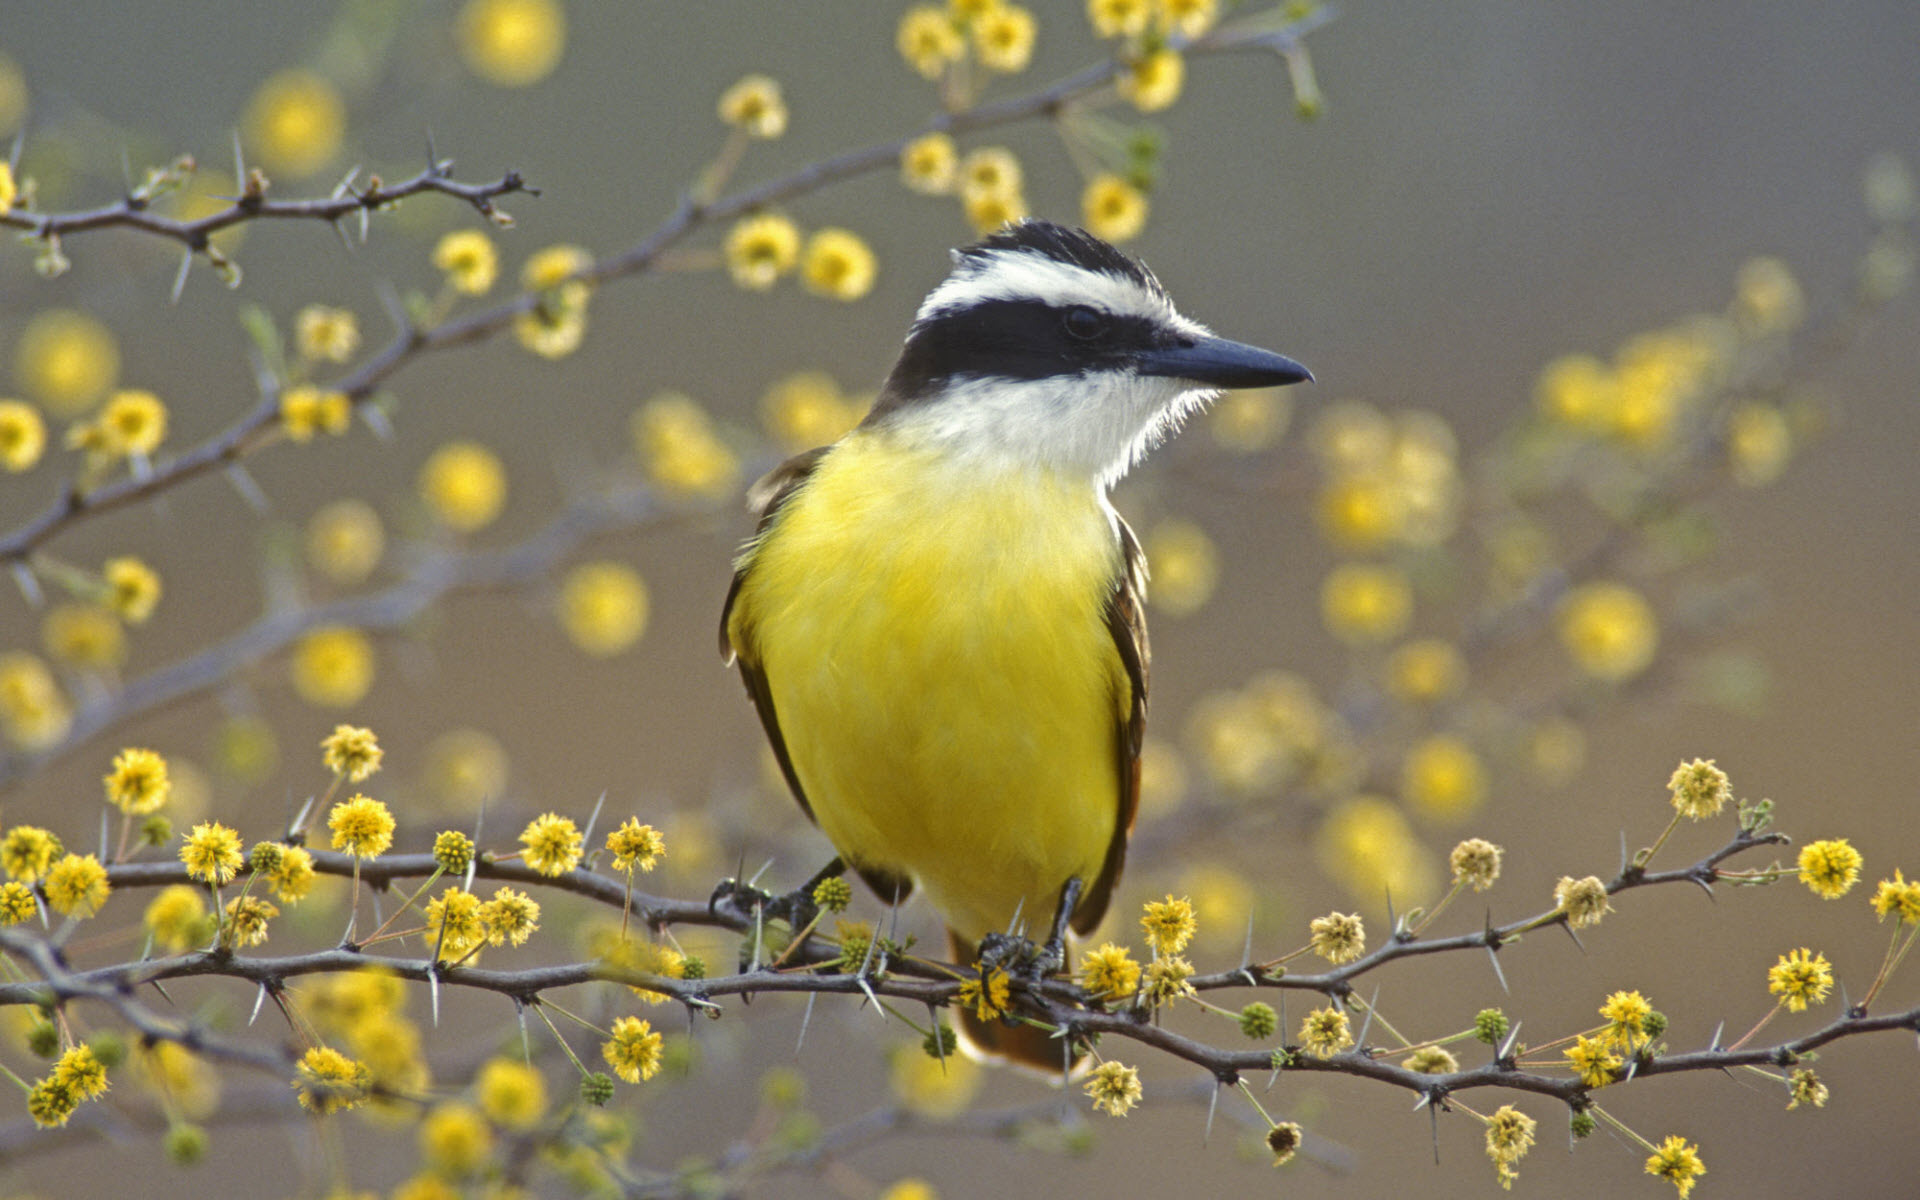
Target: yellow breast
[{"x": 936, "y": 647}]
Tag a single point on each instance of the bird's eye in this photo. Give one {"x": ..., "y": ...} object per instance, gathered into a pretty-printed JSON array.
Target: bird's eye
[{"x": 1084, "y": 323}]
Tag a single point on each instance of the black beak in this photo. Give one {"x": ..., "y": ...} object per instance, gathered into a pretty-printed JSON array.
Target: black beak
[{"x": 1217, "y": 362}]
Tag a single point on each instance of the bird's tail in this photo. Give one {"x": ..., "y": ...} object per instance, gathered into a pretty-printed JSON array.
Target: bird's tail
[{"x": 1023, "y": 1045}]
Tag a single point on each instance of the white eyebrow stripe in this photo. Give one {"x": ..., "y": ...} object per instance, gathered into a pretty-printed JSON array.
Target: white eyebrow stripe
[{"x": 1023, "y": 275}]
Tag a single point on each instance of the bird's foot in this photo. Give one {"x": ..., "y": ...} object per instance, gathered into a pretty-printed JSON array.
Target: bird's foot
[
  {"x": 797, "y": 908},
  {"x": 1020, "y": 956}
]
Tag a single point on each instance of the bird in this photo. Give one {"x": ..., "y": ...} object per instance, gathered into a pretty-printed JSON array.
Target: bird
[{"x": 941, "y": 618}]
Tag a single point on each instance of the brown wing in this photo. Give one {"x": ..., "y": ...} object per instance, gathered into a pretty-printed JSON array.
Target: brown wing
[
  {"x": 764, "y": 499},
  {"x": 1127, "y": 622}
]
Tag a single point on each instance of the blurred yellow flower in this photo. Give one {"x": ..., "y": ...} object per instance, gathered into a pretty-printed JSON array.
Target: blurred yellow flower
[
  {"x": 761, "y": 249},
  {"x": 1364, "y": 604},
  {"x": 1366, "y": 845},
  {"x": 34, "y": 712},
  {"x": 930, "y": 164},
  {"x": 1190, "y": 18},
  {"x": 23, "y": 435},
  {"x": 1113, "y": 209},
  {"x": 1153, "y": 80},
  {"x": 603, "y": 607},
  {"x": 345, "y": 541},
  {"x": 464, "y": 486},
  {"x": 928, "y": 40},
  {"x": 1609, "y": 630},
  {"x": 988, "y": 211},
  {"x": 469, "y": 261},
  {"x": 326, "y": 334},
  {"x": 1578, "y": 391},
  {"x": 1119, "y": 18},
  {"x": 66, "y": 360},
  {"x": 455, "y": 1140},
  {"x": 465, "y": 768},
  {"x": 138, "y": 783},
  {"x": 754, "y": 105},
  {"x": 1003, "y": 38},
  {"x": 1185, "y": 566},
  {"x": 84, "y": 635},
  {"x": 1443, "y": 778},
  {"x": 1426, "y": 670},
  {"x": 333, "y": 667},
  {"x": 1249, "y": 420},
  {"x": 1360, "y": 511},
  {"x": 512, "y": 43},
  {"x": 306, "y": 410},
  {"x": 678, "y": 449},
  {"x": 1759, "y": 443},
  {"x": 807, "y": 409},
  {"x": 295, "y": 122},
  {"x": 991, "y": 170},
  {"x": 1767, "y": 298},
  {"x": 838, "y": 264},
  {"x": 133, "y": 423},
  {"x": 939, "y": 1088}
]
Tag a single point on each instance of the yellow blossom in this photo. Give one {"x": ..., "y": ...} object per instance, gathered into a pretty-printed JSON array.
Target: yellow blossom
[
  {"x": 1583, "y": 900},
  {"x": 464, "y": 486},
  {"x": 554, "y": 327},
  {"x": 679, "y": 450},
  {"x": 80, "y": 1069},
  {"x": 1003, "y": 38},
  {"x": 328, "y": 1081},
  {"x": 1431, "y": 1060},
  {"x": 1283, "y": 1140},
  {"x": 930, "y": 164},
  {"x": 333, "y": 666},
  {"x": 1250, "y": 420},
  {"x": 211, "y": 852},
  {"x": 8, "y": 189},
  {"x": 1113, "y": 209},
  {"x": 988, "y": 211},
  {"x": 1577, "y": 390},
  {"x": 1609, "y": 630},
  {"x": 1119, "y": 18},
  {"x": 551, "y": 844},
  {"x": 1626, "y": 1014},
  {"x": 246, "y": 920},
  {"x": 1189, "y": 18},
  {"x": 466, "y": 767},
  {"x": 361, "y": 826},
  {"x": 134, "y": 422},
  {"x": 1338, "y": 937},
  {"x": 455, "y": 1140},
  {"x": 132, "y": 588},
  {"x": 1368, "y": 845},
  {"x": 761, "y": 249},
  {"x": 937, "y": 1086},
  {"x": 1800, "y": 978},
  {"x": 1509, "y": 1137},
  {"x": 1442, "y": 778},
  {"x": 636, "y": 845},
  {"x": 17, "y": 903},
  {"x": 511, "y": 917},
  {"x": 1476, "y": 861},
  {"x": 1167, "y": 978},
  {"x": 1114, "y": 1088},
  {"x": 138, "y": 783},
  {"x": 1109, "y": 973},
  {"x": 1677, "y": 1162},
  {"x": 1426, "y": 670},
  {"x": 295, "y": 122},
  {"x": 991, "y": 169},
  {"x": 1325, "y": 1032},
  {"x": 928, "y": 40},
  {"x": 754, "y": 105},
  {"x": 838, "y": 265},
  {"x": 454, "y": 924},
  {"x": 76, "y": 886},
  {"x": 34, "y": 713},
  {"x": 351, "y": 752},
  {"x": 66, "y": 360},
  {"x": 1759, "y": 443},
  {"x": 469, "y": 261},
  {"x": 23, "y": 435},
  {"x": 1186, "y": 567},
  {"x": 1767, "y": 298},
  {"x": 292, "y": 876},
  {"x": 1830, "y": 867},
  {"x": 511, "y": 1094},
  {"x": 1898, "y": 896},
  {"x": 326, "y": 334},
  {"x": 807, "y": 409},
  {"x": 986, "y": 994},
  {"x": 512, "y": 43},
  {"x": 176, "y": 918},
  {"x": 84, "y": 635},
  {"x": 1364, "y": 604},
  {"x": 1153, "y": 80},
  {"x": 1593, "y": 1061},
  {"x": 1699, "y": 788},
  {"x": 603, "y": 607},
  {"x": 345, "y": 541},
  {"x": 1804, "y": 1087},
  {"x": 1169, "y": 924},
  {"x": 28, "y": 851},
  {"x": 306, "y": 411},
  {"x": 634, "y": 1050}
]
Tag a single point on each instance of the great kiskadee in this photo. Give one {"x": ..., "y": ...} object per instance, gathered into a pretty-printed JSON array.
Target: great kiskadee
[{"x": 941, "y": 618}]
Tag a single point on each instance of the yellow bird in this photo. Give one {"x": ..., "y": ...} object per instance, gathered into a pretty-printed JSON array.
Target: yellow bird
[{"x": 941, "y": 619}]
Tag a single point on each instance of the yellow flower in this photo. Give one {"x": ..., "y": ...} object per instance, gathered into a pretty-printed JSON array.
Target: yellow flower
[
  {"x": 138, "y": 783},
  {"x": 910, "y": 1188},
  {"x": 1113, "y": 209},
  {"x": 838, "y": 265},
  {"x": 328, "y": 1081},
  {"x": 345, "y": 541},
  {"x": 511, "y": 1094},
  {"x": 636, "y": 845},
  {"x": 1166, "y": 979},
  {"x": 678, "y": 449},
  {"x": 603, "y": 607},
  {"x": 1169, "y": 924},
  {"x": 1442, "y": 778},
  {"x": 1249, "y": 420},
  {"x": 1114, "y": 1088},
  {"x": 988, "y": 211},
  {"x": 351, "y": 752},
  {"x": 991, "y": 170},
  {"x": 1283, "y": 1140},
  {"x": 761, "y": 249},
  {"x": 1338, "y": 938},
  {"x": 1830, "y": 867},
  {"x": 1678, "y": 1163},
  {"x": 511, "y": 917},
  {"x": 555, "y": 327},
  {"x": 17, "y": 903},
  {"x": 246, "y": 921},
  {"x": 1767, "y": 298},
  {"x": 755, "y": 106},
  {"x": 1476, "y": 861},
  {"x": 1431, "y": 1060},
  {"x": 66, "y": 360},
  {"x": 306, "y": 410},
  {"x": 7, "y": 187},
  {"x": 1626, "y": 1014},
  {"x": 211, "y": 852},
  {"x": 466, "y": 767},
  {"x": 1189, "y": 18},
  {"x": 928, "y": 40},
  {"x": 1003, "y": 38},
  {"x": 937, "y": 1086},
  {"x": 76, "y": 886},
  {"x": 455, "y": 1140},
  {"x": 806, "y": 409},
  {"x": 1593, "y": 1061},
  {"x": 333, "y": 666},
  {"x": 1109, "y": 973},
  {"x": 176, "y": 918},
  {"x": 23, "y": 435},
  {"x": 1804, "y": 1087},
  {"x": 1425, "y": 670},
  {"x": 512, "y": 43},
  {"x": 469, "y": 261},
  {"x": 634, "y": 1050},
  {"x": 986, "y": 994},
  {"x": 1759, "y": 443},
  {"x": 295, "y": 122},
  {"x": 1509, "y": 1137},
  {"x": 1899, "y": 896},
  {"x": 1119, "y": 18},
  {"x": 1583, "y": 900},
  {"x": 133, "y": 422},
  {"x": 1153, "y": 80},
  {"x": 82, "y": 1071},
  {"x": 1364, "y": 604},
  {"x": 454, "y": 924},
  {"x": 84, "y": 635},
  {"x": 464, "y": 486},
  {"x": 1609, "y": 630},
  {"x": 28, "y": 851},
  {"x": 552, "y": 844},
  {"x": 291, "y": 878},
  {"x": 1367, "y": 845},
  {"x": 1185, "y": 567},
  {"x": 133, "y": 589},
  {"x": 556, "y": 266},
  {"x": 326, "y": 334},
  {"x": 1325, "y": 1032},
  {"x": 930, "y": 164},
  {"x": 1800, "y": 978},
  {"x": 361, "y": 826},
  {"x": 1699, "y": 789}
]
